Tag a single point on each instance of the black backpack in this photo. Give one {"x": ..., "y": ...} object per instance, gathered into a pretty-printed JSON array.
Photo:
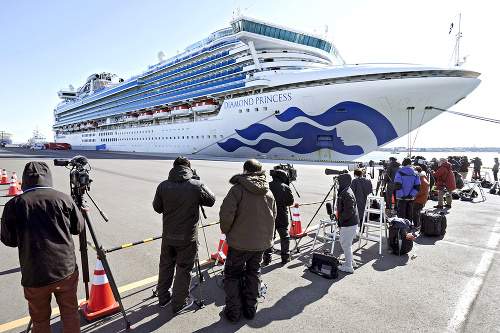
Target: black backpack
[{"x": 398, "y": 231}]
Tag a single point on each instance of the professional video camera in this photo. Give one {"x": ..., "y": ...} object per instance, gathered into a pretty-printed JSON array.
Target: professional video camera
[
  {"x": 288, "y": 169},
  {"x": 79, "y": 175}
]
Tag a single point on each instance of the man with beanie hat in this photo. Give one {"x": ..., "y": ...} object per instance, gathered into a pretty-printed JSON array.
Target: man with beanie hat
[
  {"x": 348, "y": 220},
  {"x": 445, "y": 182},
  {"x": 407, "y": 183},
  {"x": 40, "y": 223}
]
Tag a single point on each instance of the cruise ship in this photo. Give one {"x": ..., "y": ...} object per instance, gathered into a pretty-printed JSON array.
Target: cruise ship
[{"x": 257, "y": 89}]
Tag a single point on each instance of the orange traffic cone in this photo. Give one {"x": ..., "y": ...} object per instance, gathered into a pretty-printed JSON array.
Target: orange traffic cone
[
  {"x": 222, "y": 251},
  {"x": 296, "y": 227},
  {"x": 12, "y": 188},
  {"x": 19, "y": 189},
  {"x": 101, "y": 301},
  {"x": 5, "y": 178}
]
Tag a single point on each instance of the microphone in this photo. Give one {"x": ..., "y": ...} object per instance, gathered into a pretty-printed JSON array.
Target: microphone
[{"x": 329, "y": 210}]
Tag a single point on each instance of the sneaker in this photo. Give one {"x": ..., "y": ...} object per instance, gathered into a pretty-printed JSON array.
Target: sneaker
[
  {"x": 266, "y": 261},
  {"x": 164, "y": 304},
  {"x": 354, "y": 264},
  {"x": 345, "y": 268},
  {"x": 285, "y": 261},
  {"x": 187, "y": 304},
  {"x": 438, "y": 207}
]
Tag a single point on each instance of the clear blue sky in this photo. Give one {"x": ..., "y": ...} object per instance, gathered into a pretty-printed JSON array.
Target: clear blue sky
[{"x": 48, "y": 45}]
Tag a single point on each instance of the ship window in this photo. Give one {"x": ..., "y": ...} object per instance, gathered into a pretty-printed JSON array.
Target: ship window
[
  {"x": 240, "y": 111},
  {"x": 248, "y": 110},
  {"x": 203, "y": 137},
  {"x": 265, "y": 108}
]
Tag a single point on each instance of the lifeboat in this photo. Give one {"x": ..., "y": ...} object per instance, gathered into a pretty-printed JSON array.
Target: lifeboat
[
  {"x": 204, "y": 106},
  {"x": 145, "y": 116},
  {"x": 130, "y": 118},
  {"x": 180, "y": 110},
  {"x": 161, "y": 113},
  {"x": 92, "y": 125},
  {"x": 77, "y": 127}
]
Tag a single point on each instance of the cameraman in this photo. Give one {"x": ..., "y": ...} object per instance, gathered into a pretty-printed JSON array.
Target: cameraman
[
  {"x": 284, "y": 198},
  {"x": 445, "y": 182},
  {"x": 390, "y": 174},
  {"x": 40, "y": 223},
  {"x": 179, "y": 199}
]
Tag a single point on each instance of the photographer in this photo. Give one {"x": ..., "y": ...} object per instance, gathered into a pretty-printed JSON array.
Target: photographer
[
  {"x": 464, "y": 167},
  {"x": 477, "y": 168},
  {"x": 284, "y": 198},
  {"x": 247, "y": 217},
  {"x": 348, "y": 221},
  {"x": 407, "y": 183},
  {"x": 445, "y": 183},
  {"x": 420, "y": 198},
  {"x": 41, "y": 222},
  {"x": 390, "y": 174},
  {"x": 361, "y": 187},
  {"x": 179, "y": 199}
]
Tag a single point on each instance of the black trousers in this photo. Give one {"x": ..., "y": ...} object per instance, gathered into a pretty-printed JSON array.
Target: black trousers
[
  {"x": 285, "y": 243},
  {"x": 181, "y": 258},
  {"x": 390, "y": 191},
  {"x": 239, "y": 265},
  {"x": 405, "y": 209},
  {"x": 417, "y": 211}
]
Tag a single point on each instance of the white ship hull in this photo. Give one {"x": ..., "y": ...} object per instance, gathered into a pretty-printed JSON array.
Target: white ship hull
[{"x": 374, "y": 114}]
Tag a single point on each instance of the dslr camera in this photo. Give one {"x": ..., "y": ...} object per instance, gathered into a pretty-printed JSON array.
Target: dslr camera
[{"x": 288, "y": 168}]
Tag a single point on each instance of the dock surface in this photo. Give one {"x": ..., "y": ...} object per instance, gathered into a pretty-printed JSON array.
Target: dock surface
[{"x": 452, "y": 284}]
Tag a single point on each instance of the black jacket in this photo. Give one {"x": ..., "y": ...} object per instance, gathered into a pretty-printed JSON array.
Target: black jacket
[
  {"x": 283, "y": 197},
  {"x": 179, "y": 199},
  {"x": 361, "y": 187},
  {"x": 40, "y": 223},
  {"x": 465, "y": 165},
  {"x": 346, "y": 203},
  {"x": 390, "y": 173}
]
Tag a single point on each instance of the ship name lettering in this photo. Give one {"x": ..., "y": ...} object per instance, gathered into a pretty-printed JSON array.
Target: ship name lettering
[{"x": 259, "y": 100}]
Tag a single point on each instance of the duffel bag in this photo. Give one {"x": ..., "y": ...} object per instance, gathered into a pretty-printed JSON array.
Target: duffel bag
[{"x": 433, "y": 224}]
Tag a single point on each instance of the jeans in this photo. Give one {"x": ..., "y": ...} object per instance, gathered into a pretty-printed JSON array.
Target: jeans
[
  {"x": 242, "y": 264},
  {"x": 346, "y": 236},
  {"x": 181, "y": 258},
  {"x": 65, "y": 294}
]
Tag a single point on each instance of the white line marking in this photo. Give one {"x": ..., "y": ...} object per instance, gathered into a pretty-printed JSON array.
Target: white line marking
[{"x": 474, "y": 285}]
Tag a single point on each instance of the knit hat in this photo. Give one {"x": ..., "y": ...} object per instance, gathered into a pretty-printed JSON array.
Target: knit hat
[
  {"x": 406, "y": 161},
  {"x": 442, "y": 160}
]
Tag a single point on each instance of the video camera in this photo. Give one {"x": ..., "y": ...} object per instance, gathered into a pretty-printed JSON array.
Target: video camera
[
  {"x": 335, "y": 172},
  {"x": 288, "y": 168},
  {"x": 79, "y": 175}
]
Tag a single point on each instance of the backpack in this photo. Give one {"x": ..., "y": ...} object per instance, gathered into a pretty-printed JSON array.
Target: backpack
[{"x": 398, "y": 232}]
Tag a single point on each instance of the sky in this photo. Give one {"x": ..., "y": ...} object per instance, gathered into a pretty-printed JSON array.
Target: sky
[{"x": 45, "y": 46}]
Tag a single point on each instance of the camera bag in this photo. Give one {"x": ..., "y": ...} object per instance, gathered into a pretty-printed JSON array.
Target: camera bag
[
  {"x": 325, "y": 265},
  {"x": 433, "y": 224},
  {"x": 398, "y": 242}
]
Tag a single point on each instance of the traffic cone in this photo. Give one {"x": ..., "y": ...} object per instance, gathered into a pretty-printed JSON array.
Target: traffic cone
[
  {"x": 5, "y": 178},
  {"x": 101, "y": 301},
  {"x": 296, "y": 227},
  {"x": 221, "y": 252},
  {"x": 19, "y": 189},
  {"x": 12, "y": 188}
]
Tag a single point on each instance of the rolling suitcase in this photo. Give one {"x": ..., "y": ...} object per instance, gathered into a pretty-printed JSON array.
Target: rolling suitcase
[
  {"x": 433, "y": 224},
  {"x": 398, "y": 241}
]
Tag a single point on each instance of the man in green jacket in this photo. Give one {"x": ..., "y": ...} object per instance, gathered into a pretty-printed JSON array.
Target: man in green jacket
[{"x": 247, "y": 217}]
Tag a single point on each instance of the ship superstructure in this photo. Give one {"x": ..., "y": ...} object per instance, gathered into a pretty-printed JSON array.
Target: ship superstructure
[{"x": 253, "y": 89}]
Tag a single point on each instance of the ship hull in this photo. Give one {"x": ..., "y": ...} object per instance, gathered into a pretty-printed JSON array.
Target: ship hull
[{"x": 335, "y": 122}]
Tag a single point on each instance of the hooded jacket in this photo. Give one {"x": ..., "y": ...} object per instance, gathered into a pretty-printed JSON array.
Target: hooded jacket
[
  {"x": 346, "y": 203},
  {"x": 248, "y": 212},
  {"x": 423, "y": 193},
  {"x": 444, "y": 175},
  {"x": 40, "y": 223},
  {"x": 283, "y": 196},
  {"x": 407, "y": 183},
  {"x": 179, "y": 199}
]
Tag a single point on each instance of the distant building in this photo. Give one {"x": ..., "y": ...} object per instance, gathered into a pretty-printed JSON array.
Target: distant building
[{"x": 5, "y": 138}]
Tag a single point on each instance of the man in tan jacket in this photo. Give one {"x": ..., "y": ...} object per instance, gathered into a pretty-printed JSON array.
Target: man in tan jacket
[{"x": 247, "y": 217}]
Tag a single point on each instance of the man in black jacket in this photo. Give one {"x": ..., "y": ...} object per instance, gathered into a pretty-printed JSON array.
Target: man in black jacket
[
  {"x": 179, "y": 199},
  {"x": 284, "y": 198},
  {"x": 348, "y": 220},
  {"x": 41, "y": 222},
  {"x": 390, "y": 174}
]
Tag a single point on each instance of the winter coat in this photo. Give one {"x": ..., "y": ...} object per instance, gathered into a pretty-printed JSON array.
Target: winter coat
[
  {"x": 390, "y": 173},
  {"x": 41, "y": 222},
  {"x": 346, "y": 203},
  {"x": 361, "y": 187},
  {"x": 407, "y": 183},
  {"x": 248, "y": 212},
  {"x": 464, "y": 167},
  {"x": 443, "y": 174},
  {"x": 495, "y": 166},
  {"x": 455, "y": 165},
  {"x": 477, "y": 163},
  {"x": 423, "y": 193},
  {"x": 283, "y": 197},
  {"x": 179, "y": 198}
]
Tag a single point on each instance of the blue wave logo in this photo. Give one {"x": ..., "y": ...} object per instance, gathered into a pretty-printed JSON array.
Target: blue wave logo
[{"x": 312, "y": 137}]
